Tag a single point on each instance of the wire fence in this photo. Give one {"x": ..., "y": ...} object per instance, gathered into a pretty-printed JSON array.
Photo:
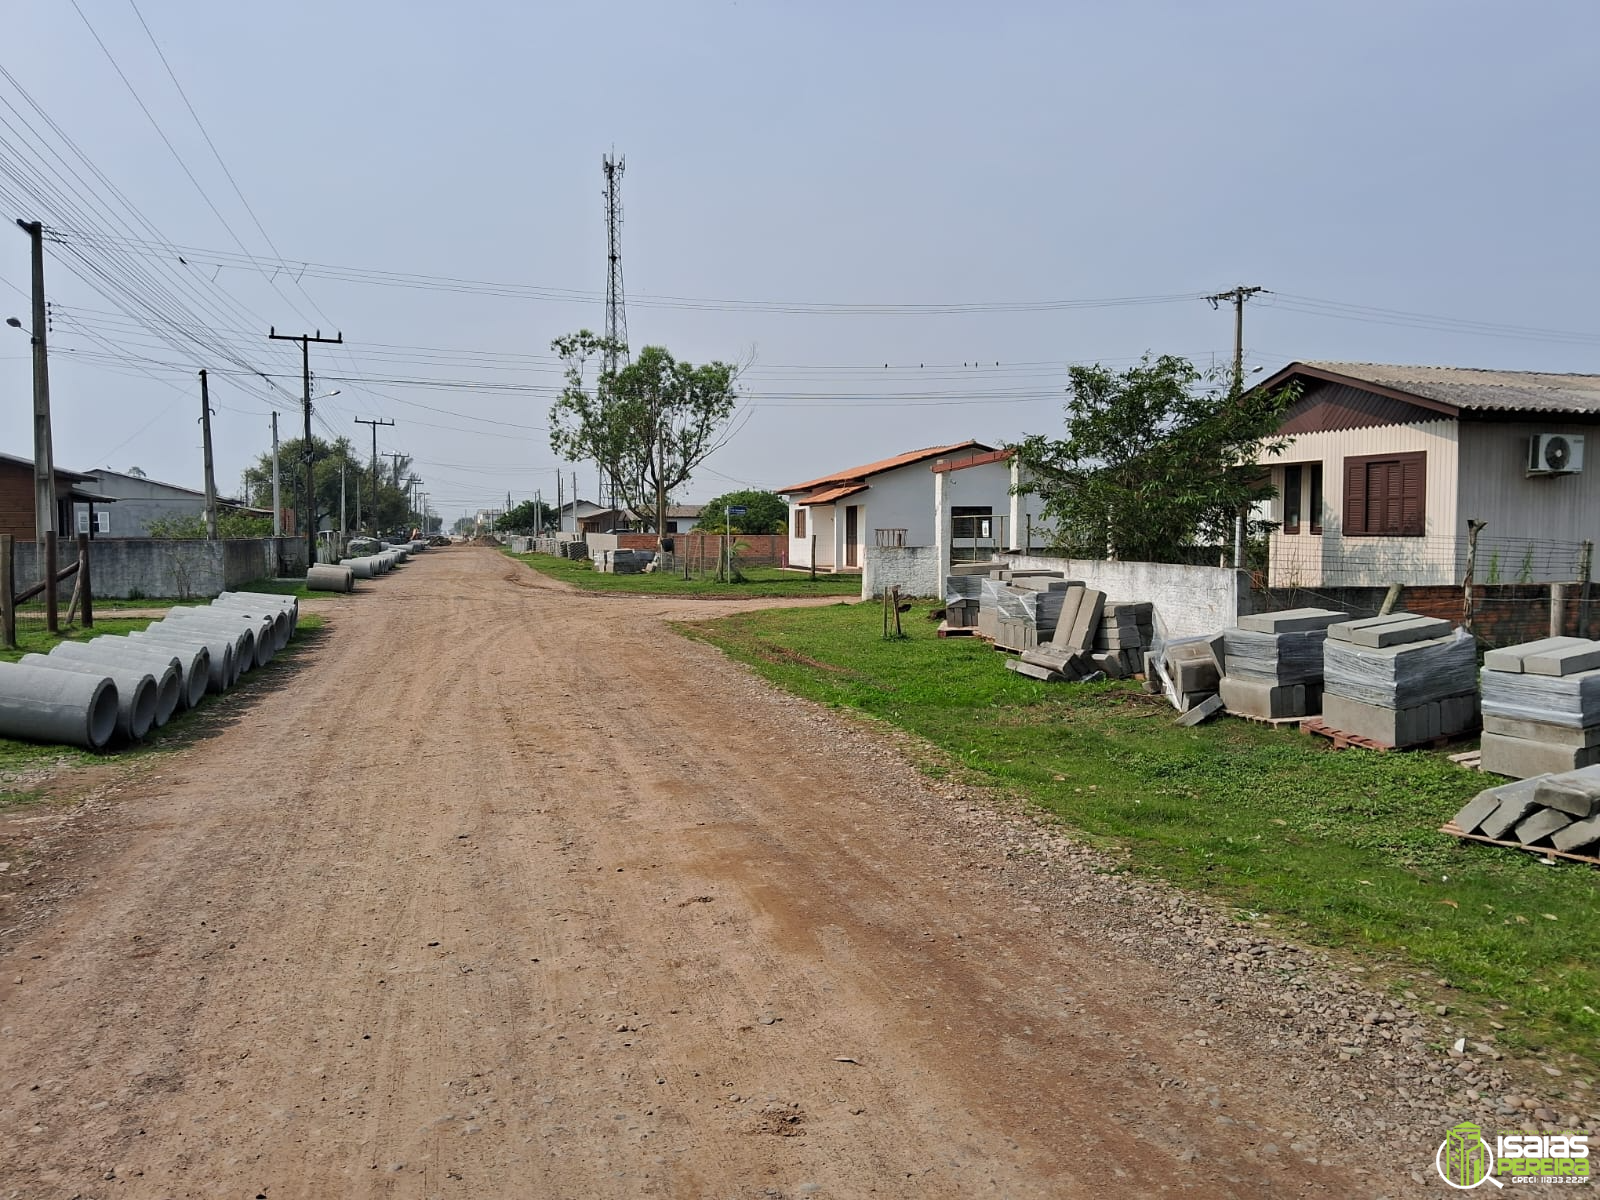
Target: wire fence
[{"x": 1330, "y": 560}]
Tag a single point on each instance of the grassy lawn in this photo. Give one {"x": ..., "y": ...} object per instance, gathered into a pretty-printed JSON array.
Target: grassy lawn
[
  {"x": 760, "y": 582},
  {"x": 1337, "y": 848}
]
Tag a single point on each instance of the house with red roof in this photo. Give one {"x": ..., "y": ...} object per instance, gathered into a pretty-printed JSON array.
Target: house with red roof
[{"x": 913, "y": 499}]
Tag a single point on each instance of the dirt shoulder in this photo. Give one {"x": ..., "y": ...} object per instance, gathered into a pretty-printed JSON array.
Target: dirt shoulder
[{"x": 513, "y": 892}]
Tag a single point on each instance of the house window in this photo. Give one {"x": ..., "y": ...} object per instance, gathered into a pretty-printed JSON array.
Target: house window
[
  {"x": 1385, "y": 495},
  {"x": 800, "y": 522},
  {"x": 102, "y": 522},
  {"x": 971, "y": 521},
  {"x": 1302, "y": 495}
]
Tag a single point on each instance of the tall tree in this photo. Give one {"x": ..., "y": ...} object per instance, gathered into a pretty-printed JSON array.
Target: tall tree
[
  {"x": 530, "y": 516},
  {"x": 390, "y": 509},
  {"x": 1157, "y": 457},
  {"x": 648, "y": 424},
  {"x": 764, "y": 512}
]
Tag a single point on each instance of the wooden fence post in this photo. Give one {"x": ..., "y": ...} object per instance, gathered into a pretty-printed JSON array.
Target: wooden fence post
[
  {"x": 1585, "y": 565},
  {"x": 1558, "y": 609},
  {"x": 1473, "y": 529},
  {"x": 84, "y": 589},
  {"x": 813, "y": 558},
  {"x": 8, "y": 590},
  {"x": 52, "y": 614}
]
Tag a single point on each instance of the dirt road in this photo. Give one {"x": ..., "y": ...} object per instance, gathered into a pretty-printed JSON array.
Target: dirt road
[{"x": 513, "y": 893}]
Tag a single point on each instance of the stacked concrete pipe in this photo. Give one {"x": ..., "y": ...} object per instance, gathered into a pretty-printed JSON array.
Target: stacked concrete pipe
[
  {"x": 264, "y": 628},
  {"x": 142, "y": 700},
  {"x": 193, "y": 663},
  {"x": 326, "y": 578},
  {"x": 220, "y": 648},
  {"x": 243, "y": 640},
  {"x": 369, "y": 567},
  {"x": 43, "y": 704},
  {"x": 286, "y": 604},
  {"x": 281, "y": 616}
]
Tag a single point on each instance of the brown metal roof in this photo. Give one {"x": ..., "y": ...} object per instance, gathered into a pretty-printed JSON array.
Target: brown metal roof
[
  {"x": 856, "y": 474},
  {"x": 1456, "y": 390},
  {"x": 832, "y": 494},
  {"x": 975, "y": 460}
]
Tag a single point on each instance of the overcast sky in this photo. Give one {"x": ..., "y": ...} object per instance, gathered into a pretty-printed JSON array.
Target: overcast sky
[{"x": 1361, "y": 161}]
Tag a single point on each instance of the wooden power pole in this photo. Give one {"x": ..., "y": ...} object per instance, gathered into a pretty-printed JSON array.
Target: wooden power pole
[
  {"x": 305, "y": 340},
  {"x": 205, "y": 440}
]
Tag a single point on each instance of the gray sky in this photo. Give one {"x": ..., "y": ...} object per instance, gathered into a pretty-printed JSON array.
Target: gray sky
[{"x": 1390, "y": 158}]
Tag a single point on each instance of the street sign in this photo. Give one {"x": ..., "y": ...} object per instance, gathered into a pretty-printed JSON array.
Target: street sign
[{"x": 737, "y": 510}]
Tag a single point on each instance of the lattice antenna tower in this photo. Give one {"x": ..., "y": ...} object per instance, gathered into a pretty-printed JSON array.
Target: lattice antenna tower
[{"x": 616, "y": 309}]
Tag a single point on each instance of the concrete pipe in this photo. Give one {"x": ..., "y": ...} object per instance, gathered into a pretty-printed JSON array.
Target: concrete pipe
[
  {"x": 282, "y": 625},
  {"x": 245, "y": 601},
  {"x": 324, "y": 578},
  {"x": 157, "y": 662},
  {"x": 244, "y": 640},
  {"x": 266, "y": 599},
  {"x": 141, "y": 698},
  {"x": 41, "y": 704},
  {"x": 223, "y": 670},
  {"x": 193, "y": 661},
  {"x": 363, "y": 568},
  {"x": 266, "y": 638}
]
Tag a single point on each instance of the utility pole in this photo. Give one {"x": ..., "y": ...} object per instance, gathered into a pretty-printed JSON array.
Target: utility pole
[
  {"x": 44, "y": 469},
  {"x": 1237, "y": 297},
  {"x": 305, "y": 340},
  {"x": 374, "y": 422},
  {"x": 205, "y": 438},
  {"x": 612, "y": 167},
  {"x": 277, "y": 499}
]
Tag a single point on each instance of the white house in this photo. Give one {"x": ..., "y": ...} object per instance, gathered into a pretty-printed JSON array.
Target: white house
[
  {"x": 1386, "y": 465},
  {"x": 954, "y": 499}
]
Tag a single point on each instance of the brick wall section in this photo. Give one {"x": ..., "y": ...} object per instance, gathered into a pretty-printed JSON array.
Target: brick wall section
[
  {"x": 760, "y": 549},
  {"x": 1504, "y": 614}
]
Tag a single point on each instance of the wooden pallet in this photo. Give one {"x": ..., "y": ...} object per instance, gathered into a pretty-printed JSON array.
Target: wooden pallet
[
  {"x": 1471, "y": 760},
  {"x": 1543, "y": 852},
  {"x": 946, "y": 630},
  {"x": 1272, "y": 722},
  {"x": 1343, "y": 741}
]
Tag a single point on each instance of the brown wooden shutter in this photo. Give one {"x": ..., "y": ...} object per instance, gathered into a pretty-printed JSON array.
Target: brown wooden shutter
[
  {"x": 1355, "y": 496},
  {"x": 1413, "y": 480}
]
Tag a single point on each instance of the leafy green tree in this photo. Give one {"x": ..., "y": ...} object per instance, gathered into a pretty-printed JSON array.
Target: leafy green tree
[
  {"x": 1157, "y": 457},
  {"x": 528, "y": 517},
  {"x": 231, "y": 523},
  {"x": 647, "y": 424},
  {"x": 765, "y": 512},
  {"x": 391, "y": 509}
]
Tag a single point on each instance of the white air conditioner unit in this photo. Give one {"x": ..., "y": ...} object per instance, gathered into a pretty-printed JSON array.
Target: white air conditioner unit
[{"x": 1555, "y": 454}]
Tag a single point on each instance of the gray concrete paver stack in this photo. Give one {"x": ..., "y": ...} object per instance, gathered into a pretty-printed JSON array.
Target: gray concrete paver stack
[
  {"x": 1553, "y": 811},
  {"x": 1399, "y": 680},
  {"x": 1274, "y": 662},
  {"x": 1541, "y": 707}
]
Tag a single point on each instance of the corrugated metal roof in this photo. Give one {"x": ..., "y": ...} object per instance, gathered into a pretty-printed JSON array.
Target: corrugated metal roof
[
  {"x": 832, "y": 494},
  {"x": 1472, "y": 389},
  {"x": 886, "y": 464}
]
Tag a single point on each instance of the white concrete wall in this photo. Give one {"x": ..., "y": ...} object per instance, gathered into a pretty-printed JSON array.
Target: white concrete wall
[
  {"x": 1191, "y": 601},
  {"x": 1331, "y": 559},
  {"x": 914, "y": 569}
]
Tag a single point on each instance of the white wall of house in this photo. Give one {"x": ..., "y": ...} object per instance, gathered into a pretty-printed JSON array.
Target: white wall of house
[
  {"x": 1331, "y": 559},
  {"x": 1496, "y": 486},
  {"x": 988, "y": 485}
]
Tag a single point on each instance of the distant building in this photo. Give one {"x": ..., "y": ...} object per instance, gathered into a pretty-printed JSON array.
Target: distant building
[
  {"x": 72, "y": 490},
  {"x": 140, "y": 503}
]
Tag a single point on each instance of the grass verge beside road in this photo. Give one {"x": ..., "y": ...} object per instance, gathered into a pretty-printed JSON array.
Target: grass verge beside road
[
  {"x": 1337, "y": 848},
  {"x": 760, "y": 582}
]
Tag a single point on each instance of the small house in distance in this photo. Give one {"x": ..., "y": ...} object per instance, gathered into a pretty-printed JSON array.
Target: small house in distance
[
  {"x": 140, "y": 502},
  {"x": 75, "y": 491},
  {"x": 1387, "y": 464},
  {"x": 954, "y": 501}
]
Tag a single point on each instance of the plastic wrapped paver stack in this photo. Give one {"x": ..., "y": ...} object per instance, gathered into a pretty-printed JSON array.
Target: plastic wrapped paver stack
[
  {"x": 1559, "y": 811},
  {"x": 1541, "y": 707},
  {"x": 1399, "y": 680},
  {"x": 1273, "y": 662},
  {"x": 961, "y": 593}
]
